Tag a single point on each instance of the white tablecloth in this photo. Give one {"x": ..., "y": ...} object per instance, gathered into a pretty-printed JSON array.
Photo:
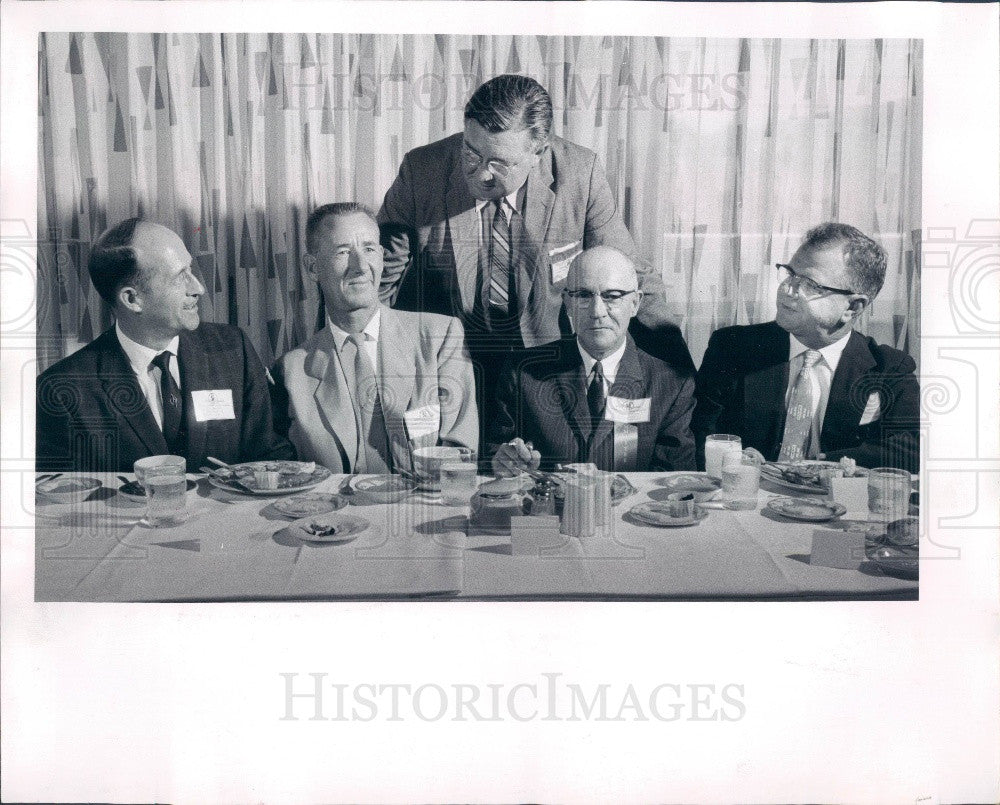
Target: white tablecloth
[{"x": 231, "y": 547}]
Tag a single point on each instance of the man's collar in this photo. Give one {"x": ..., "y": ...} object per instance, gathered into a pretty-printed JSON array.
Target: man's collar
[
  {"x": 831, "y": 352},
  {"x": 513, "y": 201},
  {"x": 609, "y": 364},
  {"x": 370, "y": 330},
  {"x": 140, "y": 356}
]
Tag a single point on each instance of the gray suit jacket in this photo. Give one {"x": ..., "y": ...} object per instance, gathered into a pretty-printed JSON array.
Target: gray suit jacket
[
  {"x": 430, "y": 230},
  {"x": 422, "y": 364}
]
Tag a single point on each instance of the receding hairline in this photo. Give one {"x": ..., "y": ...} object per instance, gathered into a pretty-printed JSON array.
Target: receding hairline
[{"x": 618, "y": 261}]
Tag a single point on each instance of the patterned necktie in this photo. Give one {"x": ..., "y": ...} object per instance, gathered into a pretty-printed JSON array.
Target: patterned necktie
[
  {"x": 170, "y": 394},
  {"x": 801, "y": 407},
  {"x": 597, "y": 398},
  {"x": 500, "y": 261},
  {"x": 373, "y": 453}
]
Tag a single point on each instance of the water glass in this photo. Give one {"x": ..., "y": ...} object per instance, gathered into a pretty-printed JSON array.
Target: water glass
[
  {"x": 427, "y": 462},
  {"x": 458, "y": 482},
  {"x": 165, "y": 482},
  {"x": 888, "y": 495},
  {"x": 580, "y": 506},
  {"x": 716, "y": 446},
  {"x": 740, "y": 480}
]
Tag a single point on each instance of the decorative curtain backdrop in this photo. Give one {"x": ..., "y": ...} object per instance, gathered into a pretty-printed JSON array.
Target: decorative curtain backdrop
[{"x": 722, "y": 152}]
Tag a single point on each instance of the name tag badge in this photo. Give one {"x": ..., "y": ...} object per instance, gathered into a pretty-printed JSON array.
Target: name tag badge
[
  {"x": 626, "y": 411},
  {"x": 873, "y": 409},
  {"x": 422, "y": 421},
  {"x": 561, "y": 258},
  {"x": 213, "y": 404}
]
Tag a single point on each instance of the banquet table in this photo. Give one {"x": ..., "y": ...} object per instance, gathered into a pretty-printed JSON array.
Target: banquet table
[{"x": 235, "y": 547}]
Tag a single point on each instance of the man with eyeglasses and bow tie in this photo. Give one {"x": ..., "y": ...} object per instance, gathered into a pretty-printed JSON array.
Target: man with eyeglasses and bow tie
[
  {"x": 807, "y": 385},
  {"x": 594, "y": 397},
  {"x": 483, "y": 225},
  {"x": 160, "y": 381}
]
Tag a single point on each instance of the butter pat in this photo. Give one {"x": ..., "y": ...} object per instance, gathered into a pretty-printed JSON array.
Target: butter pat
[
  {"x": 840, "y": 549},
  {"x": 531, "y": 536}
]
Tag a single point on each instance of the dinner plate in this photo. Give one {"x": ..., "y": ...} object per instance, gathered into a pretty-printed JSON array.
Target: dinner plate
[
  {"x": 310, "y": 504},
  {"x": 329, "y": 528},
  {"x": 621, "y": 488},
  {"x": 689, "y": 482},
  {"x": 295, "y": 476},
  {"x": 772, "y": 472},
  {"x": 813, "y": 511},
  {"x": 376, "y": 489},
  {"x": 133, "y": 490},
  {"x": 658, "y": 514}
]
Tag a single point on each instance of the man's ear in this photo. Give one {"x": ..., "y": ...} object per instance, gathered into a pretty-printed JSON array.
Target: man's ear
[
  {"x": 856, "y": 306},
  {"x": 130, "y": 298}
]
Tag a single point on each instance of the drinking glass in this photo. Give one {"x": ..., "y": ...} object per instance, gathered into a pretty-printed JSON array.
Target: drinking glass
[
  {"x": 165, "y": 482},
  {"x": 427, "y": 462},
  {"x": 888, "y": 495},
  {"x": 716, "y": 446},
  {"x": 458, "y": 478},
  {"x": 740, "y": 480},
  {"x": 580, "y": 505}
]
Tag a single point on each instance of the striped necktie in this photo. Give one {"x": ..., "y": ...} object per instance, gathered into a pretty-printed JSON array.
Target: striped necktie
[
  {"x": 801, "y": 409},
  {"x": 500, "y": 261}
]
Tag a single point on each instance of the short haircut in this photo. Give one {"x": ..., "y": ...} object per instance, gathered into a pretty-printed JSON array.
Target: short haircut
[
  {"x": 320, "y": 214},
  {"x": 864, "y": 258},
  {"x": 512, "y": 103},
  {"x": 113, "y": 261}
]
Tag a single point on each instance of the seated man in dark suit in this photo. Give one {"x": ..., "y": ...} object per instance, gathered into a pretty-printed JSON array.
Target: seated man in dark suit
[
  {"x": 807, "y": 385},
  {"x": 594, "y": 397},
  {"x": 159, "y": 381}
]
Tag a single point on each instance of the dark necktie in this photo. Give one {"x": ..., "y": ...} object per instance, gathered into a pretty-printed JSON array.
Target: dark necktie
[
  {"x": 374, "y": 455},
  {"x": 170, "y": 394},
  {"x": 596, "y": 396},
  {"x": 500, "y": 261}
]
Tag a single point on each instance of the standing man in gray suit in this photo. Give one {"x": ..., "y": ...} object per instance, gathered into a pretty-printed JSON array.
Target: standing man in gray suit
[{"x": 484, "y": 224}]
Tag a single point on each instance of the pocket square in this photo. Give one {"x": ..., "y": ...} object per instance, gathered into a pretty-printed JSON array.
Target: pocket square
[{"x": 873, "y": 409}]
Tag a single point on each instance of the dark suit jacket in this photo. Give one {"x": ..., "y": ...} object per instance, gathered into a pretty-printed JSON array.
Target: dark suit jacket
[
  {"x": 544, "y": 401},
  {"x": 744, "y": 377},
  {"x": 431, "y": 233},
  {"x": 92, "y": 415}
]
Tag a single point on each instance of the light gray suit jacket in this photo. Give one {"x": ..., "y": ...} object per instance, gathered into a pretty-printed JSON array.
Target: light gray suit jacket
[{"x": 422, "y": 364}]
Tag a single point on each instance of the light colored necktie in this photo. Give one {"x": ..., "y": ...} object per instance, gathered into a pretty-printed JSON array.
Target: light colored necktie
[
  {"x": 500, "y": 261},
  {"x": 801, "y": 408},
  {"x": 373, "y": 448}
]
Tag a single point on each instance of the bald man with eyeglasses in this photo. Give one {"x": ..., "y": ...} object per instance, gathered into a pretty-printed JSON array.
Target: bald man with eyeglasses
[
  {"x": 594, "y": 396},
  {"x": 808, "y": 385}
]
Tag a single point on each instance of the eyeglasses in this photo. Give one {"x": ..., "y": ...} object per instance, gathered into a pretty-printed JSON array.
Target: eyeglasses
[
  {"x": 471, "y": 161},
  {"x": 804, "y": 285},
  {"x": 585, "y": 297}
]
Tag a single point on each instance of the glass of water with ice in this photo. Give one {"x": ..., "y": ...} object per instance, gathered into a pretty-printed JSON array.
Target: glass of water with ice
[
  {"x": 165, "y": 482},
  {"x": 740, "y": 480}
]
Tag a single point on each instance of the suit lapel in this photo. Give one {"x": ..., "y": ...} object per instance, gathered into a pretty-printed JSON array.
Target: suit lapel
[
  {"x": 333, "y": 398},
  {"x": 846, "y": 404},
  {"x": 465, "y": 231},
  {"x": 121, "y": 389},
  {"x": 573, "y": 392},
  {"x": 537, "y": 214},
  {"x": 764, "y": 395},
  {"x": 395, "y": 382},
  {"x": 195, "y": 372}
]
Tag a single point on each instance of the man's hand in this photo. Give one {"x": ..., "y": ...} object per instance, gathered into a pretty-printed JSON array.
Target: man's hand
[{"x": 514, "y": 457}]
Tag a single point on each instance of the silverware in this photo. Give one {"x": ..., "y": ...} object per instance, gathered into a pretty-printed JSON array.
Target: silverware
[
  {"x": 345, "y": 485},
  {"x": 124, "y": 480},
  {"x": 51, "y": 476},
  {"x": 234, "y": 482},
  {"x": 217, "y": 462}
]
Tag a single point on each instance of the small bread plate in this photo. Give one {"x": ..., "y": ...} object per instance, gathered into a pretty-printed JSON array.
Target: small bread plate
[
  {"x": 285, "y": 477},
  {"x": 801, "y": 476},
  {"x": 812, "y": 511},
  {"x": 330, "y": 528},
  {"x": 375, "y": 489},
  {"x": 133, "y": 490},
  {"x": 894, "y": 560},
  {"x": 68, "y": 490},
  {"x": 311, "y": 504},
  {"x": 697, "y": 482},
  {"x": 621, "y": 488},
  {"x": 658, "y": 514}
]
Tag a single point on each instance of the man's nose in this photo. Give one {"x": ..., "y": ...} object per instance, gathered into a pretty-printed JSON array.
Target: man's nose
[{"x": 195, "y": 287}]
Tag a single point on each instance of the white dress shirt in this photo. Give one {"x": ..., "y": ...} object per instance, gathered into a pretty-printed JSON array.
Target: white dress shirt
[
  {"x": 609, "y": 366},
  {"x": 141, "y": 360},
  {"x": 822, "y": 376},
  {"x": 370, "y": 333},
  {"x": 508, "y": 206}
]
